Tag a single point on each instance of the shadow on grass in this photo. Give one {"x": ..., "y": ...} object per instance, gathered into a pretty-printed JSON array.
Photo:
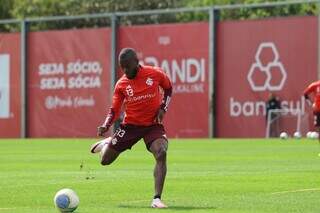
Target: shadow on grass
[{"x": 181, "y": 208}]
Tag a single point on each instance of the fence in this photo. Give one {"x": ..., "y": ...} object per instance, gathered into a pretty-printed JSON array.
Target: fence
[{"x": 64, "y": 76}]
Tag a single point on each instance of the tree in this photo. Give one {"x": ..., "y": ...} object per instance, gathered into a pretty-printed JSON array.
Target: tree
[
  {"x": 5, "y": 10},
  {"x": 20, "y": 9},
  {"x": 40, "y": 8},
  {"x": 253, "y": 13}
]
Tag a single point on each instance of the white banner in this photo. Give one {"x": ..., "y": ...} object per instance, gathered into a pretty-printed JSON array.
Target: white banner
[{"x": 4, "y": 85}]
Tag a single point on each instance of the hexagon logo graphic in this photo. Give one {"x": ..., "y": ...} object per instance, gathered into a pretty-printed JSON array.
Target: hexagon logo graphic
[{"x": 267, "y": 73}]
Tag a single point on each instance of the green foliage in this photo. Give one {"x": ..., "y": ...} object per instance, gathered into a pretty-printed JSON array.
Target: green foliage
[
  {"x": 5, "y": 9},
  {"x": 38, "y": 8},
  {"x": 20, "y": 9},
  {"x": 252, "y": 13}
]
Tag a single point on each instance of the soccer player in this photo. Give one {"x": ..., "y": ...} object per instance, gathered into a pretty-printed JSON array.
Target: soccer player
[
  {"x": 145, "y": 92},
  {"x": 314, "y": 90}
]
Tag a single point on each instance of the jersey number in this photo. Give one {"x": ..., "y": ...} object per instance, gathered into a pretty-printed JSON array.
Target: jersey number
[{"x": 129, "y": 90}]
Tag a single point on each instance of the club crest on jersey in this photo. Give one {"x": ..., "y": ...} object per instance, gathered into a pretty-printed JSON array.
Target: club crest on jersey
[
  {"x": 149, "y": 81},
  {"x": 114, "y": 141},
  {"x": 129, "y": 90}
]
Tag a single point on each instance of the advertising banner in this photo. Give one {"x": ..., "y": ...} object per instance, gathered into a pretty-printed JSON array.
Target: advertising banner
[
  {"x": 181, "y": 50},
  {"x": 10, "y": 85},
  {"x": 257, "y": 58},
  {"x": 68, "y": 87}
]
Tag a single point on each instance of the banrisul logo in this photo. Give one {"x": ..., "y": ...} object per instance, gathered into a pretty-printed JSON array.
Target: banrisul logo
[
  {"x": 265, "y": 74},
  {"x": 4, "y": 85}
]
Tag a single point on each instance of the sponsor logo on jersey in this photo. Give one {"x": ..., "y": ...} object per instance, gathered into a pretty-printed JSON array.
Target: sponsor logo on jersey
[
  {"x": 141, "y": 97},
  {"x": 149, "y": 81}
]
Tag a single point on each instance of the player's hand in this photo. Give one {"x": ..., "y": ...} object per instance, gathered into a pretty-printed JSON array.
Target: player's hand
[
  {"x": 102, "y": 130},
  {"x": 160, "y": 116}
]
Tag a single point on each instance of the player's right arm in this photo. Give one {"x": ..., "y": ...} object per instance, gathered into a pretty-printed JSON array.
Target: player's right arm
[
  {"x": 310, "y": 89},
  {"x": 114, "y": 111}
]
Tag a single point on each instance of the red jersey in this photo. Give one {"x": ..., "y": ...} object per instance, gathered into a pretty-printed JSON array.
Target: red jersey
[
  {"x": 314, "y": 89},
  {"x": 141, "y": 96}
]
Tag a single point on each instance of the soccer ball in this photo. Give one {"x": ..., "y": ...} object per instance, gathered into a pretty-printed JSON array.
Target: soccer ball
[
  {"x": 284, "y": 135},
  {"x": 309, "y": 134},
  {"x": 66, "y": 200},
  {"x": 297, "y": 135},
  {"x": 314, "y": 135}
]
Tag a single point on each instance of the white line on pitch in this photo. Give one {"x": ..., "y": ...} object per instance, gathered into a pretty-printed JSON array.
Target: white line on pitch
[{"x": 298, "y": 190}]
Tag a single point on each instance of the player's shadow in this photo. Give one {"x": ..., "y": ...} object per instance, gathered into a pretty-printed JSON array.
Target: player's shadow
[{"x": 178, "y": 208}]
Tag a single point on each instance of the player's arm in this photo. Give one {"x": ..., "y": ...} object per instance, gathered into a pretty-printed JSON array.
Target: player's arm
[
  {"x": 166, "y": 85},
  {"x": 113, "y": 113},
  {"x": 310, "y": 89}
]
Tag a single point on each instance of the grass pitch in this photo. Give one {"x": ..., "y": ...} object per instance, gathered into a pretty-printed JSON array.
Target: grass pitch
[{"x": 253, "y": 175}]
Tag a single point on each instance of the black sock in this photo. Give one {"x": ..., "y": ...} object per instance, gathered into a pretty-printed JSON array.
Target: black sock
[{"x": 157, "y": 196}]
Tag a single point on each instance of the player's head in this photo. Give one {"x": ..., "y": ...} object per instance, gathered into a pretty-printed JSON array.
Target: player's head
[{"x": 128, "y": 61}]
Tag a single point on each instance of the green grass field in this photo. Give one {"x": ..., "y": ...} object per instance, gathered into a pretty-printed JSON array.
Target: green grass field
[{"x": 253, "y": 175}]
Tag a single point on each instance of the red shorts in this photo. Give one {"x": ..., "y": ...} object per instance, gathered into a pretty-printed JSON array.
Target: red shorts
[{"x": 127, "y": 135}]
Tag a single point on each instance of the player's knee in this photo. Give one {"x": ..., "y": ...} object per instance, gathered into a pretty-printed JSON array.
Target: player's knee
[{"x": 161, "y": 153}]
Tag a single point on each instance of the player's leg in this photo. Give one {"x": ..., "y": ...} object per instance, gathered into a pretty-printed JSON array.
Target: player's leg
[
  {"x": 97, "y": 147},
  {"x": 159, "y": 150},
  {"x": 108, "y": 155},
  {"x": 157, "y": 144},
  {"x": 317, "y": 124},
  {"x": 124, "y": 138}
]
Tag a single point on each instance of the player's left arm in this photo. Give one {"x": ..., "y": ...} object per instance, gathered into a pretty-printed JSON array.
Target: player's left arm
[{"x": 166, "y": 85}]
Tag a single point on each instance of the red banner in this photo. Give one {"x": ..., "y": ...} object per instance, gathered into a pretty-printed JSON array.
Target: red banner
[
  {"x": 173, "y": 48},
  {"x": 256, "y": 58},
  {"x": 10, "y": 85},
  {"x": 68, "y": 82}
]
